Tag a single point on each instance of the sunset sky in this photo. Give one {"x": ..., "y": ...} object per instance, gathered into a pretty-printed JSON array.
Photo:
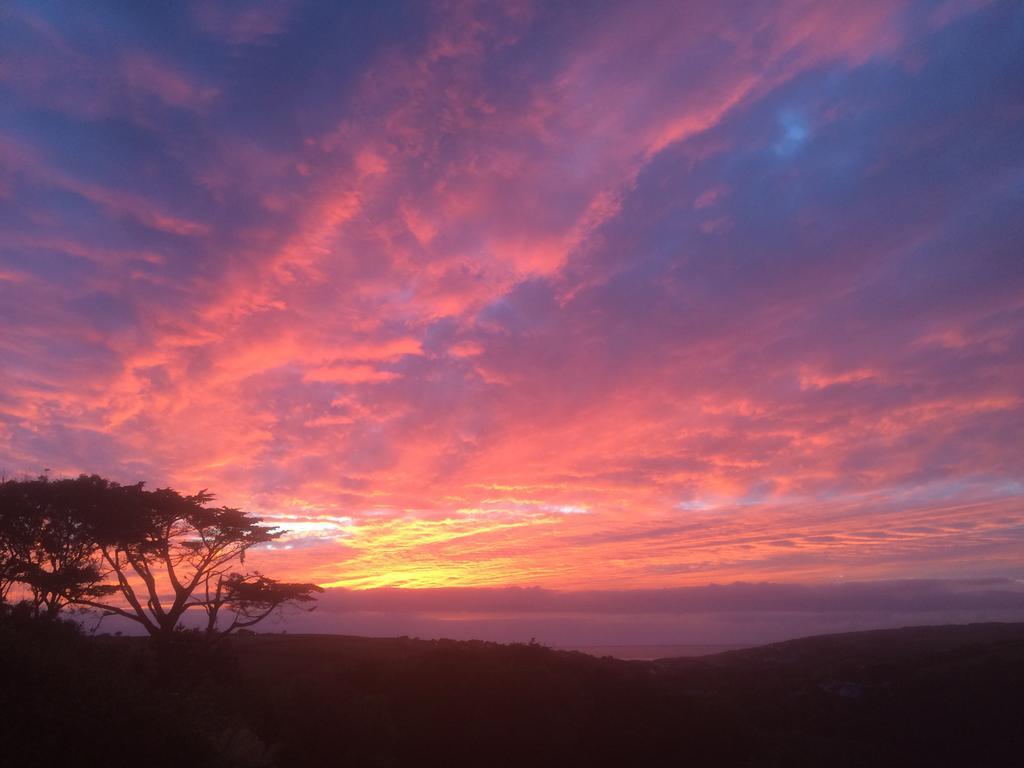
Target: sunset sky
[{"x": 578, "y": 296}]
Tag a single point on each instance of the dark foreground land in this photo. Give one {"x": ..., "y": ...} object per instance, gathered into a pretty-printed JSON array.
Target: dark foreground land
[{"x": 937, "y": 696}]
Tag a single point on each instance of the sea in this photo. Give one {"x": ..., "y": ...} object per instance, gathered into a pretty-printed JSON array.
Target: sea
[{"x": 650, "y": 652}]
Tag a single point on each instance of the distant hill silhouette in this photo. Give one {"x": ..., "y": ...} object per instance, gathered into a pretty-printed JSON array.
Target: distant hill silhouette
[{"x": 932, "y": 696}]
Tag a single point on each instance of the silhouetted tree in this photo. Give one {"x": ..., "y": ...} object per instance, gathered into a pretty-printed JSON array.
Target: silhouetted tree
[
  {"x": 45, "y": 544},
  {"x": 147, "y": 556},
  {"x": 11, "y": 538},
  {"x": 250, "y": 598}
]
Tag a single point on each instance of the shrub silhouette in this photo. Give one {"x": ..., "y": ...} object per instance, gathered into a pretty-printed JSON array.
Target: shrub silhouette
[{"x": 65, "y": 694}]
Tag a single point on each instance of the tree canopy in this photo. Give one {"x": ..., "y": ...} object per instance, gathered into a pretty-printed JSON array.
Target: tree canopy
[{"x": 145, "y": 555}]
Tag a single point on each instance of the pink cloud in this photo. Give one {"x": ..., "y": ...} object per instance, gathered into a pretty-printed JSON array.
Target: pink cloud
[{"x": 142, "y": 72}]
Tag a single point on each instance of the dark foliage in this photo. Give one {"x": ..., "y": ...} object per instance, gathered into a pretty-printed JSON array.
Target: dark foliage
[
  {"x": 68, "y": 699},
  {"x": 925, "y": 697}
]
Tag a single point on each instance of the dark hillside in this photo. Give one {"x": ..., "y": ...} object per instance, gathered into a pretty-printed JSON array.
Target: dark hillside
[
  {"x": 938, "y": 696},
  {"x": 918, "y": 696}
]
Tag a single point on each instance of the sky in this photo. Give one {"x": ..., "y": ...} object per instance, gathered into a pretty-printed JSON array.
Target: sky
[{"x": 534, "y": 299}]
